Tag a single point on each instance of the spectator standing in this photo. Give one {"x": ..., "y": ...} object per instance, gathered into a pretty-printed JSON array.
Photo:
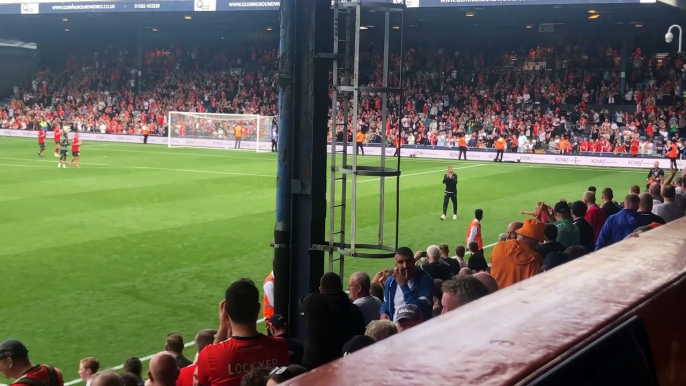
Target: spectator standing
[
  {"x": 515, "y": 260},
  {"x": 268, "y": 297},
  {"x": 408, "y": 285},
  {"x": 669, "y": 210},
  {"x": 434, "y": 267},
  {"x": 163, "y": 370},
  {"x": 187, "y": 374},
  {"x": 477, "y": 261},
  {"x": 278, "y": 327},
  {"x": 15, "y": 364},
  {"x": 228, "y": 360},
  {"x": 474, "y": 230},
  {"x": 645, "y": 210},
  {"x": 567, "y": 232},
  {"x": 618, "y": 226},
  {"x": 409, "y": 316},
  {"x": 459, "y": 256},
  {"x": 594, "y": 214},
  {"x": 175, "y": 347},
  {"x": 460, "y": 291},
  {"x": 332, "y": 320},
  {"x": 88, "y": 367},
  {"x": 609, "y": 206},
  {"x": 445, "y": 258},
  {"x": 586, "y": 231},
  {"x": 550, "y": 244},
  {"x": 134, "y": 366},
  {"x": 359, "y": 286}
]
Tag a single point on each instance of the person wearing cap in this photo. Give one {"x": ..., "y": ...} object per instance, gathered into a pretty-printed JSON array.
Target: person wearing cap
[
  {"x": 515, "y": 260},
  {"x": 358, "y": 342},
  {"x": 620, "y": 225},
  {"x": 408, "y": 317},
  {"x": 567, "y": 232},
  {"x": 282, "y": 374},
  {"x": 278, "y": 327},
  {"x": 407, "y": 285},
  {"x": 15, "y": 364}
]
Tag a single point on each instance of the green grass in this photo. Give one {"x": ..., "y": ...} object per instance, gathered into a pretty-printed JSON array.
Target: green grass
[{"x": 108, "y": 259}]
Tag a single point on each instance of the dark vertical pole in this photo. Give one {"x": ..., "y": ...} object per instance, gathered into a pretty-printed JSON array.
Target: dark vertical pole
[
  {"x": 282, "y": 229},
  {"x": 622, "y": 69},
  {"x": 140, "y": 60}
]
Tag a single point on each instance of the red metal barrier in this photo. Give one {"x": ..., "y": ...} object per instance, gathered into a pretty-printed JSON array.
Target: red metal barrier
[{"x": 514, "y": 335}]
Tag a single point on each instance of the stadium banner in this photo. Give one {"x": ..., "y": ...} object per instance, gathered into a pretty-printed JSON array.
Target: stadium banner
[
  {"x": 112, "y": 6},
  {"x": 415, "y": 152}
]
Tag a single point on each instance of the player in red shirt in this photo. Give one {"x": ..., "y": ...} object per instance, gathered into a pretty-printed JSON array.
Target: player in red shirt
[
  {"x": 41, "y": 141},
  {"x": 57, "y": 135},
  {"x": 75, "y": 150},
  {"x": 227, "y": 361},
  {"x": 15, "y": 364}
]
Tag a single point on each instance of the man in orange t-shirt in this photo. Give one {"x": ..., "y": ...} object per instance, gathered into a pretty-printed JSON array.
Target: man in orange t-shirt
[
  {"x": 462, "y": 147},
  {"x": 515, "y": 260},
  {"x": 359, "y": 139},
  {"x": 229, "y": 359},
  {"x": 499, "y": 148}
]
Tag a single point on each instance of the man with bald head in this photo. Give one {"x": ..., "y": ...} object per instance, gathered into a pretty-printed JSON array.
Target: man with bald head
[
  {"x": 163, "y": 370},
  {"x": 512, "y": 229},
  {"x": 645, "y": 209},
  {"x": 434, "y": 267},
  {"x": 620, "y": 225},
  {"x": 111, "y": 378},
  {"x": 669, "y": 210}
]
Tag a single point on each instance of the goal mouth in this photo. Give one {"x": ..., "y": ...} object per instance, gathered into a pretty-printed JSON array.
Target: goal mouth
[{"x": 221, "y": 131}]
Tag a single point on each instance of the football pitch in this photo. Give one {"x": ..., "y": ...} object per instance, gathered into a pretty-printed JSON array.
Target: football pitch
[{"x": 142, "y": 241}]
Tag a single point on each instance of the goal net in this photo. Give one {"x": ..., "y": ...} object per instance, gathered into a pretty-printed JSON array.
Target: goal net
[{"x": 220, "y": 131}]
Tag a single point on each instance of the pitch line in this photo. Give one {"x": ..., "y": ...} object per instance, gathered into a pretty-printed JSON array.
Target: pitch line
[{"x": 148, "y": 357}]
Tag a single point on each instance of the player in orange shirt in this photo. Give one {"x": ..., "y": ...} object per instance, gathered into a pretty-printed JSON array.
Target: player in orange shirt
[
  {"x": 41, "y": 141},
  {"x": 462, "y": 147},
  {"x": 75, "y": 150},
  {"x": 227, "y": 361},
  {"x": 499, "y": 148},
  {"x": 359, "y": 139}
]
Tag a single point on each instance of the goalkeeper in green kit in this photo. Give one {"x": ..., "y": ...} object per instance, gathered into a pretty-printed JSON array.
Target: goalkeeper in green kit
[{"x": 64, "y": 148}]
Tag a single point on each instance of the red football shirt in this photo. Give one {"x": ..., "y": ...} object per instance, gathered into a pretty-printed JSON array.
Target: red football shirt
[
  {"x": 186, "y": 375},
  {"x": 41, "y": 136},
  {"x": 76, "y": 143},
  {"x": 41, "y": 374},
  {"x": 58, "y": 134},
  {"x": 226, "y": 363}
]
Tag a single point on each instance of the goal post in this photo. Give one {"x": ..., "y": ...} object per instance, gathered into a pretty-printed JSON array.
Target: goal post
[{"x": 219, "y": 131}]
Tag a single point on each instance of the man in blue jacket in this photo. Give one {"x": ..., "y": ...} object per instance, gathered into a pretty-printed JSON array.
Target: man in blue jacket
[
  {"x": 408, "y": 285},
  {"x": 620, "y": 225}
]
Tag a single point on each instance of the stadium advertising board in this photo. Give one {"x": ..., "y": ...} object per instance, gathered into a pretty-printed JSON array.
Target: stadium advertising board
[
  {"x": 448, "y": 154},
  {"x": 96, "y": 6},
  {"x": 22, "y": 7}
]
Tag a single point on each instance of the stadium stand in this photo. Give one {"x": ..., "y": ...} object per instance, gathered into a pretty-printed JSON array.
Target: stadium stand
[{"x": 569, "y": 104}]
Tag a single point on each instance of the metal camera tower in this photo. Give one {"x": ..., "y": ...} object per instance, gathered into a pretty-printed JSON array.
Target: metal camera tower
[{"x": 343, "y": 238}]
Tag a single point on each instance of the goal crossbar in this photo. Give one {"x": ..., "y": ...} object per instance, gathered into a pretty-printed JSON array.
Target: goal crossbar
[{"x": 220, "y": 131}]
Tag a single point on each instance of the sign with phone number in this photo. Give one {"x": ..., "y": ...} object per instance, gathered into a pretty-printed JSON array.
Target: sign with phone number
[{"x": 135, "y": 6}]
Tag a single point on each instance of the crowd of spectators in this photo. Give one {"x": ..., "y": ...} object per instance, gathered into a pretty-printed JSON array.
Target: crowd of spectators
[
  {"x": 421, "y": 285},
  {"x": 562, "y": 99}
]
